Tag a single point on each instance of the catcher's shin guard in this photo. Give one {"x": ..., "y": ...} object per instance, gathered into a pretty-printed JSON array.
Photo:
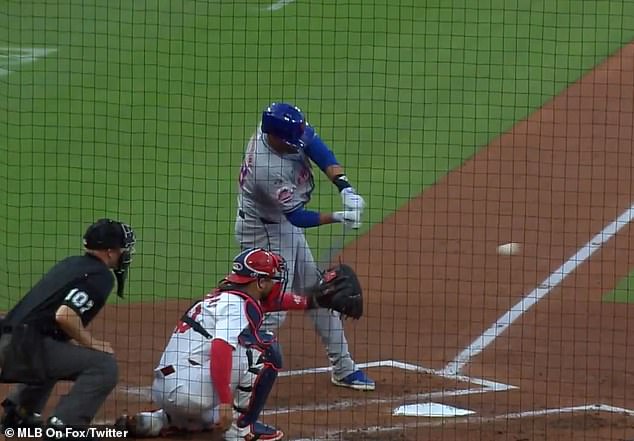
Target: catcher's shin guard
[{"x": 255, "y": 386}]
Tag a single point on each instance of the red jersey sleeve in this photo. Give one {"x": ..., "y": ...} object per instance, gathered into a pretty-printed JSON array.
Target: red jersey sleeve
[
  {"x": 284, "y": 301},
  {"x": 220, "y": 367}
]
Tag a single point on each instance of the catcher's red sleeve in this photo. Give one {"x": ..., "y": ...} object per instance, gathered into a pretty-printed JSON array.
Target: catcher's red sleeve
[
  {"x": 220, "y": 369},
  {"x": 287, "y": 301}
]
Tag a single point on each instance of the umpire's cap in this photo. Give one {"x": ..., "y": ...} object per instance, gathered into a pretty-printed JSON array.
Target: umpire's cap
[{"x": 108, "y": 233}]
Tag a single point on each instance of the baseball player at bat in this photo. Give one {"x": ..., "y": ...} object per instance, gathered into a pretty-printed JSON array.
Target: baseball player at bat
[
  {"x": 275, "y": 185},
  {"x": 219, "y": 367}
]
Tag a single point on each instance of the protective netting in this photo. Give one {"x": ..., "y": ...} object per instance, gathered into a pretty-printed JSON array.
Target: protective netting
[{"x": 464, "y": 125}]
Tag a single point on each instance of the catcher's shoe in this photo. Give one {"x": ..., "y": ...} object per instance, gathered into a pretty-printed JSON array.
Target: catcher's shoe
[
  {"x": 357, "y": 380},
  {"x": 174, "y": 431},
  {"x": 154, "y": 424},
  {"x": 147, "y": 424},
  {"x": 253, "y": 432}
]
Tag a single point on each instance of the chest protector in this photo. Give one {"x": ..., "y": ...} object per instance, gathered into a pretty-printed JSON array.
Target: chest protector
[{"x": 251, "y": 336}]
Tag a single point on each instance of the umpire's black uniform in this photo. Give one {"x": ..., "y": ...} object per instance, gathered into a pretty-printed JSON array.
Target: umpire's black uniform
[{"x": 81, "y": 283}]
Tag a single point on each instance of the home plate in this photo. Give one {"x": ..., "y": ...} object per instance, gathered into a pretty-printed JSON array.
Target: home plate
[{"x": 430, "y": 410}]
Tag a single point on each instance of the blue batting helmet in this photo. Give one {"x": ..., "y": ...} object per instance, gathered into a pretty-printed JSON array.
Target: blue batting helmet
[{"x": 285, "y": 121}]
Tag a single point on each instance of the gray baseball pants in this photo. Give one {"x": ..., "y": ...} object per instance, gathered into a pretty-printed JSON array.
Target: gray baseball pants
[
  {"x": 94, "y": 374},
  {"x": 289, "y": 241}
]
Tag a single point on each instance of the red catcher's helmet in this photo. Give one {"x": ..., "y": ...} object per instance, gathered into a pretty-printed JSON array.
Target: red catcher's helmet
[{"x": 257, "y": 262}]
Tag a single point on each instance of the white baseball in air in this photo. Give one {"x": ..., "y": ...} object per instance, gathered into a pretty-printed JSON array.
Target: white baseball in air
[{"x": 508, "y": 249}]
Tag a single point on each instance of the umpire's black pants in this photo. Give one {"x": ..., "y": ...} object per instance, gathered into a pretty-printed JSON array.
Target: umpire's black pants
[{"x": 94, "y": 374}]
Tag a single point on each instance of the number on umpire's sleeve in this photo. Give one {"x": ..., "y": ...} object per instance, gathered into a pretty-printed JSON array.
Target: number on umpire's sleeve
[{"x": 77, "y": 297}]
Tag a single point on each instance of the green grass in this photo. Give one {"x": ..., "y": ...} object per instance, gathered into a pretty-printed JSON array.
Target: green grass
[
  {"x": 624, "y": 291},
  {"x": 143, "y": 112}
]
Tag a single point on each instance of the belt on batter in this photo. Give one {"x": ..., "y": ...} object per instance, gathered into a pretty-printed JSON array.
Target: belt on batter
[
  {"x": 169, "y": 369},
  {"x": 264, "y": 221}
]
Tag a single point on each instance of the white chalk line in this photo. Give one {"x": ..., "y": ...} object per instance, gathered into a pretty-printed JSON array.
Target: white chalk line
[
  {"x": 401, "y": 399},
  {"x": 336, "y": 434},
  {"x": 489, "y": 384},
  {"x": 10, "y": 56},
  {"x": 279, "y": 5},
  {"x": 136, "y": 391},
  {"x": 484, "y": 386},
  {"x": 394, "y": 364},
  {"x": 541, "y": 291},
  {"x": 144, "y": 392}
]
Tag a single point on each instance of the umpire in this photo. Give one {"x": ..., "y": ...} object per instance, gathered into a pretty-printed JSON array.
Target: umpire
[{"x": 44, "y": 337}]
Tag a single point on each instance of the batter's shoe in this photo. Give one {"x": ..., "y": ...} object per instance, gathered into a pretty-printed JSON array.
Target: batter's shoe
[
  {"x": 357, "y": 380},
  {"x": 254, "y": 432}
]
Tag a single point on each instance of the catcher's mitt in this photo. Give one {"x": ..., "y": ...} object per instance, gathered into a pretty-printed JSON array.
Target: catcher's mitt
[{"x": 339, "y": 289}]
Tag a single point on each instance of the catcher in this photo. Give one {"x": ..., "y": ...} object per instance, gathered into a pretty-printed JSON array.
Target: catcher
[{"x": 218, "y": 367}]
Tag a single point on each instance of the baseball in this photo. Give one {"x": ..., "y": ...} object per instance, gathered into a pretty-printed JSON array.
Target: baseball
[{"x": 509, "y": 249}]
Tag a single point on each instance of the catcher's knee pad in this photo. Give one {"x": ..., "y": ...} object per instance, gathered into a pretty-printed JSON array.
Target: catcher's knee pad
[
  {"x": 260, "y": 340},
  {"x": 272, "y": 356},
  {"x": 256, "y": 384}
]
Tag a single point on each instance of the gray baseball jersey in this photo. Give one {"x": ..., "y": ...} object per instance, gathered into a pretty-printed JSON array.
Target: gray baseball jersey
[{"x": 272, "y": 184}]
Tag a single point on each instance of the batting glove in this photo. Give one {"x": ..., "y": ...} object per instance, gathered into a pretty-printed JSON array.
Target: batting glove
[
  {"x": 350, "y": 218},
  {"x": 351, "y": 200}
]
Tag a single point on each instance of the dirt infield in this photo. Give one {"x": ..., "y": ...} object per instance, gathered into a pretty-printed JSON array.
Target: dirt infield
[
  {"x": 552, "y": 183},
  {"x": 435, "y": 284}
]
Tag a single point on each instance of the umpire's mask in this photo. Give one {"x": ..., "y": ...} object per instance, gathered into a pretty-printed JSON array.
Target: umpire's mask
[{"x": 107, "y": 233}]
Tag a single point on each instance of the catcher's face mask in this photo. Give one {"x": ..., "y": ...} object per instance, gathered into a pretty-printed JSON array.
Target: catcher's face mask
[
  {"x": 277, "y": 274},
  {"x": 280, "y": 276}
]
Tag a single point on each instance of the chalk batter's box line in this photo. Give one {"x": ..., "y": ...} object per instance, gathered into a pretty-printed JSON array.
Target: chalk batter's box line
[
  {"x": 488, "y": 384},
  {"x": 484, "y": 386},
  {"x": 444, "y": 422}
]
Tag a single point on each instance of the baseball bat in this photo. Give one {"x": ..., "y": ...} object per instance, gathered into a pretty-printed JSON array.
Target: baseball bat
[{"x": 336, "y": 246}]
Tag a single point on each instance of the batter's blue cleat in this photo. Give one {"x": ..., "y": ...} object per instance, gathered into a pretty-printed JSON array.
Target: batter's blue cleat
[{"x": 357, "y": 380}]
